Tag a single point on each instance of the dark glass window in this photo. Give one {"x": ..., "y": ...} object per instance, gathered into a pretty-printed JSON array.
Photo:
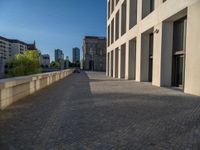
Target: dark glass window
[{"x": 179, "y": 35}]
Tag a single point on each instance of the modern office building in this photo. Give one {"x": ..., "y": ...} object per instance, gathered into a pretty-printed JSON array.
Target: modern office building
[
  {"x": 155, "y": 41},
  {"x": 94, "y": 53},
  {"x": 45, "y": 60},
  {"x": 76, "y": 55},
  {"x": 59, "y": 55},
  {"x": 9, "y": 48}
]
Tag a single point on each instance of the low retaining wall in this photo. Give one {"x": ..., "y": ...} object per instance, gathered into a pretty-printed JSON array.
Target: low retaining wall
[{"x": 14, "y": 89}]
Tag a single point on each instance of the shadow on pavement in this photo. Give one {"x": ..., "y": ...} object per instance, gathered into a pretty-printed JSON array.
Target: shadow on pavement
[{"x": 91, "y": 111}]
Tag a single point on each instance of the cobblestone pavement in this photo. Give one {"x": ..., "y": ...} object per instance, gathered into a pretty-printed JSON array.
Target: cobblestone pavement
[{"x": 89, "y": 111}]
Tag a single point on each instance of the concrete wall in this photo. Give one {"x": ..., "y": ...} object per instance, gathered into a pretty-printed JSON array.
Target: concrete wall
[
  {"x": 13, "y": 89},
  {"x": 192, "y": 68},
  {"x": 160, "y": 23}
]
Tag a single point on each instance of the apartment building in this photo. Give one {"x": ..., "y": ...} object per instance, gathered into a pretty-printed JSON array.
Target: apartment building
[
  {"x": 9, "y": 48},
  {"x": 155, "y": 41},
  {"x": 94, "y": 53}
]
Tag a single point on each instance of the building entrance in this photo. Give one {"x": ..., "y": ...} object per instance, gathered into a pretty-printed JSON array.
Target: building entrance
[{"x": 179, "y": 46}]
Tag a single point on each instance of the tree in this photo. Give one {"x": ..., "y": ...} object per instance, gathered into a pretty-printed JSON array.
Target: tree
[
  {"x": 55, "y": 64},
  {"x": 24, "y": 64}
]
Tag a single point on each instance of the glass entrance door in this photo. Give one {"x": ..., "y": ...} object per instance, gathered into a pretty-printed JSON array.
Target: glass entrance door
[
  {"x": 150, "y": 57},
  {"x": 179, "y": 71},
  {"x": 179, "y": 45}
]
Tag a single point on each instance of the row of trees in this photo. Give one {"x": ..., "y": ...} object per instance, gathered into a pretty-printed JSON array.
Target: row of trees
[
  {"x": 29, "y": 63},
  {"x": 56, "y": 64}
]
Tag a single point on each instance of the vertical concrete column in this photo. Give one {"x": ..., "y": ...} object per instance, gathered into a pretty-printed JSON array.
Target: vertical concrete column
[
  {"x": 32, "y": 87},
  {"x": 157, "y": 47},
  {"x": 138, "y": 42},
  {"x": 139, "y": 57},
  {"x": 127, "y": 59},
  {"x": 127, "y": 44},
  {"x": 139, "y": 10},
  {"x": 158, "y": 3},
  {"x": 37, "y": 83},
  {"x": 114, "y": 63},
  {"x": 192, "y": 69},
  {"x": 119, "y": 63},
  {"x": 107, "y": 64}
]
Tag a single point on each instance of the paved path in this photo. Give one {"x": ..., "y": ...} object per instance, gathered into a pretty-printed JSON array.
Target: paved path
[{"x": 89, "y": 111}]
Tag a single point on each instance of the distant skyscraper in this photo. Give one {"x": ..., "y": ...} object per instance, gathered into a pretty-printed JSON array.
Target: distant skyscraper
[
  {"x": 59, "y": 55},
  {"x": 76, "y": 55},
  {"x": 94, "y": 53}
]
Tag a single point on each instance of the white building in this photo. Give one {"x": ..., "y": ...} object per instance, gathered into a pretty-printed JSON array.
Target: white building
[
  {"x": 45, "y": 60},
  {"x": 155, "y": 41},
  {"x": 9, "y": 48}
]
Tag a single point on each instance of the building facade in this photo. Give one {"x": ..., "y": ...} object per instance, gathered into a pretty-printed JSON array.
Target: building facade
[
  {"x": 11, "y": 47},
  {"x": 59, "y": 57},
  {"x": 67, "y": 62},
  {"x": 76, "y": 55},
  {"x": 94, "y": 53},
  {"x": 155, "y": 41},
  {"x": 45, "y": 60}
]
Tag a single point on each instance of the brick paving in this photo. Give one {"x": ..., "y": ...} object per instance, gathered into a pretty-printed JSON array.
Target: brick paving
[{"x": 89, "y": 111}]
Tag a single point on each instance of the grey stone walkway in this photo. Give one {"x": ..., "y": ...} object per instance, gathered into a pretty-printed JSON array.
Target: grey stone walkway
[{"x": 89, "y": 111}]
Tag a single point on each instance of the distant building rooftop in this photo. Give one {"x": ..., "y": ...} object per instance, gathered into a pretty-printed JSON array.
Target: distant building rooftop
[
  {"x": 95, "y": 37},
  {"x": 29, "y": 46}
]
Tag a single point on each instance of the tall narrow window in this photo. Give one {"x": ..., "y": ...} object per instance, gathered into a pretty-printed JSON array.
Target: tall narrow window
[
  {"x": 179, "y": 45},
  {"x": 112, "y": 31},
  {"x": 123, "y": 18},
  {"x": 147, "y": 7},
  {"x": 108, "y": 40},
  {"x": 151, "y": 5},
  {"x": 117, "y": 26},
  {"x": 150, "y": 57},
  {"x": 108, "y": 9},
  {"x": 133, "y": 13},
  {"x": 112, "y": 5}
]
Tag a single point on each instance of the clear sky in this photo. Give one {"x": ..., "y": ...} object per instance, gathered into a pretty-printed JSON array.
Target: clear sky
[{"x": 53, "y": 23}]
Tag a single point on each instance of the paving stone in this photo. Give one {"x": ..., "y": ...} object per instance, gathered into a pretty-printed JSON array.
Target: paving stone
[{"x": 89, "y": 111}]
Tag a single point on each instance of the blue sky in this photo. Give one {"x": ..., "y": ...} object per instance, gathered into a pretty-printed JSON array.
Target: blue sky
[{"x": 53, "y": 23}]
